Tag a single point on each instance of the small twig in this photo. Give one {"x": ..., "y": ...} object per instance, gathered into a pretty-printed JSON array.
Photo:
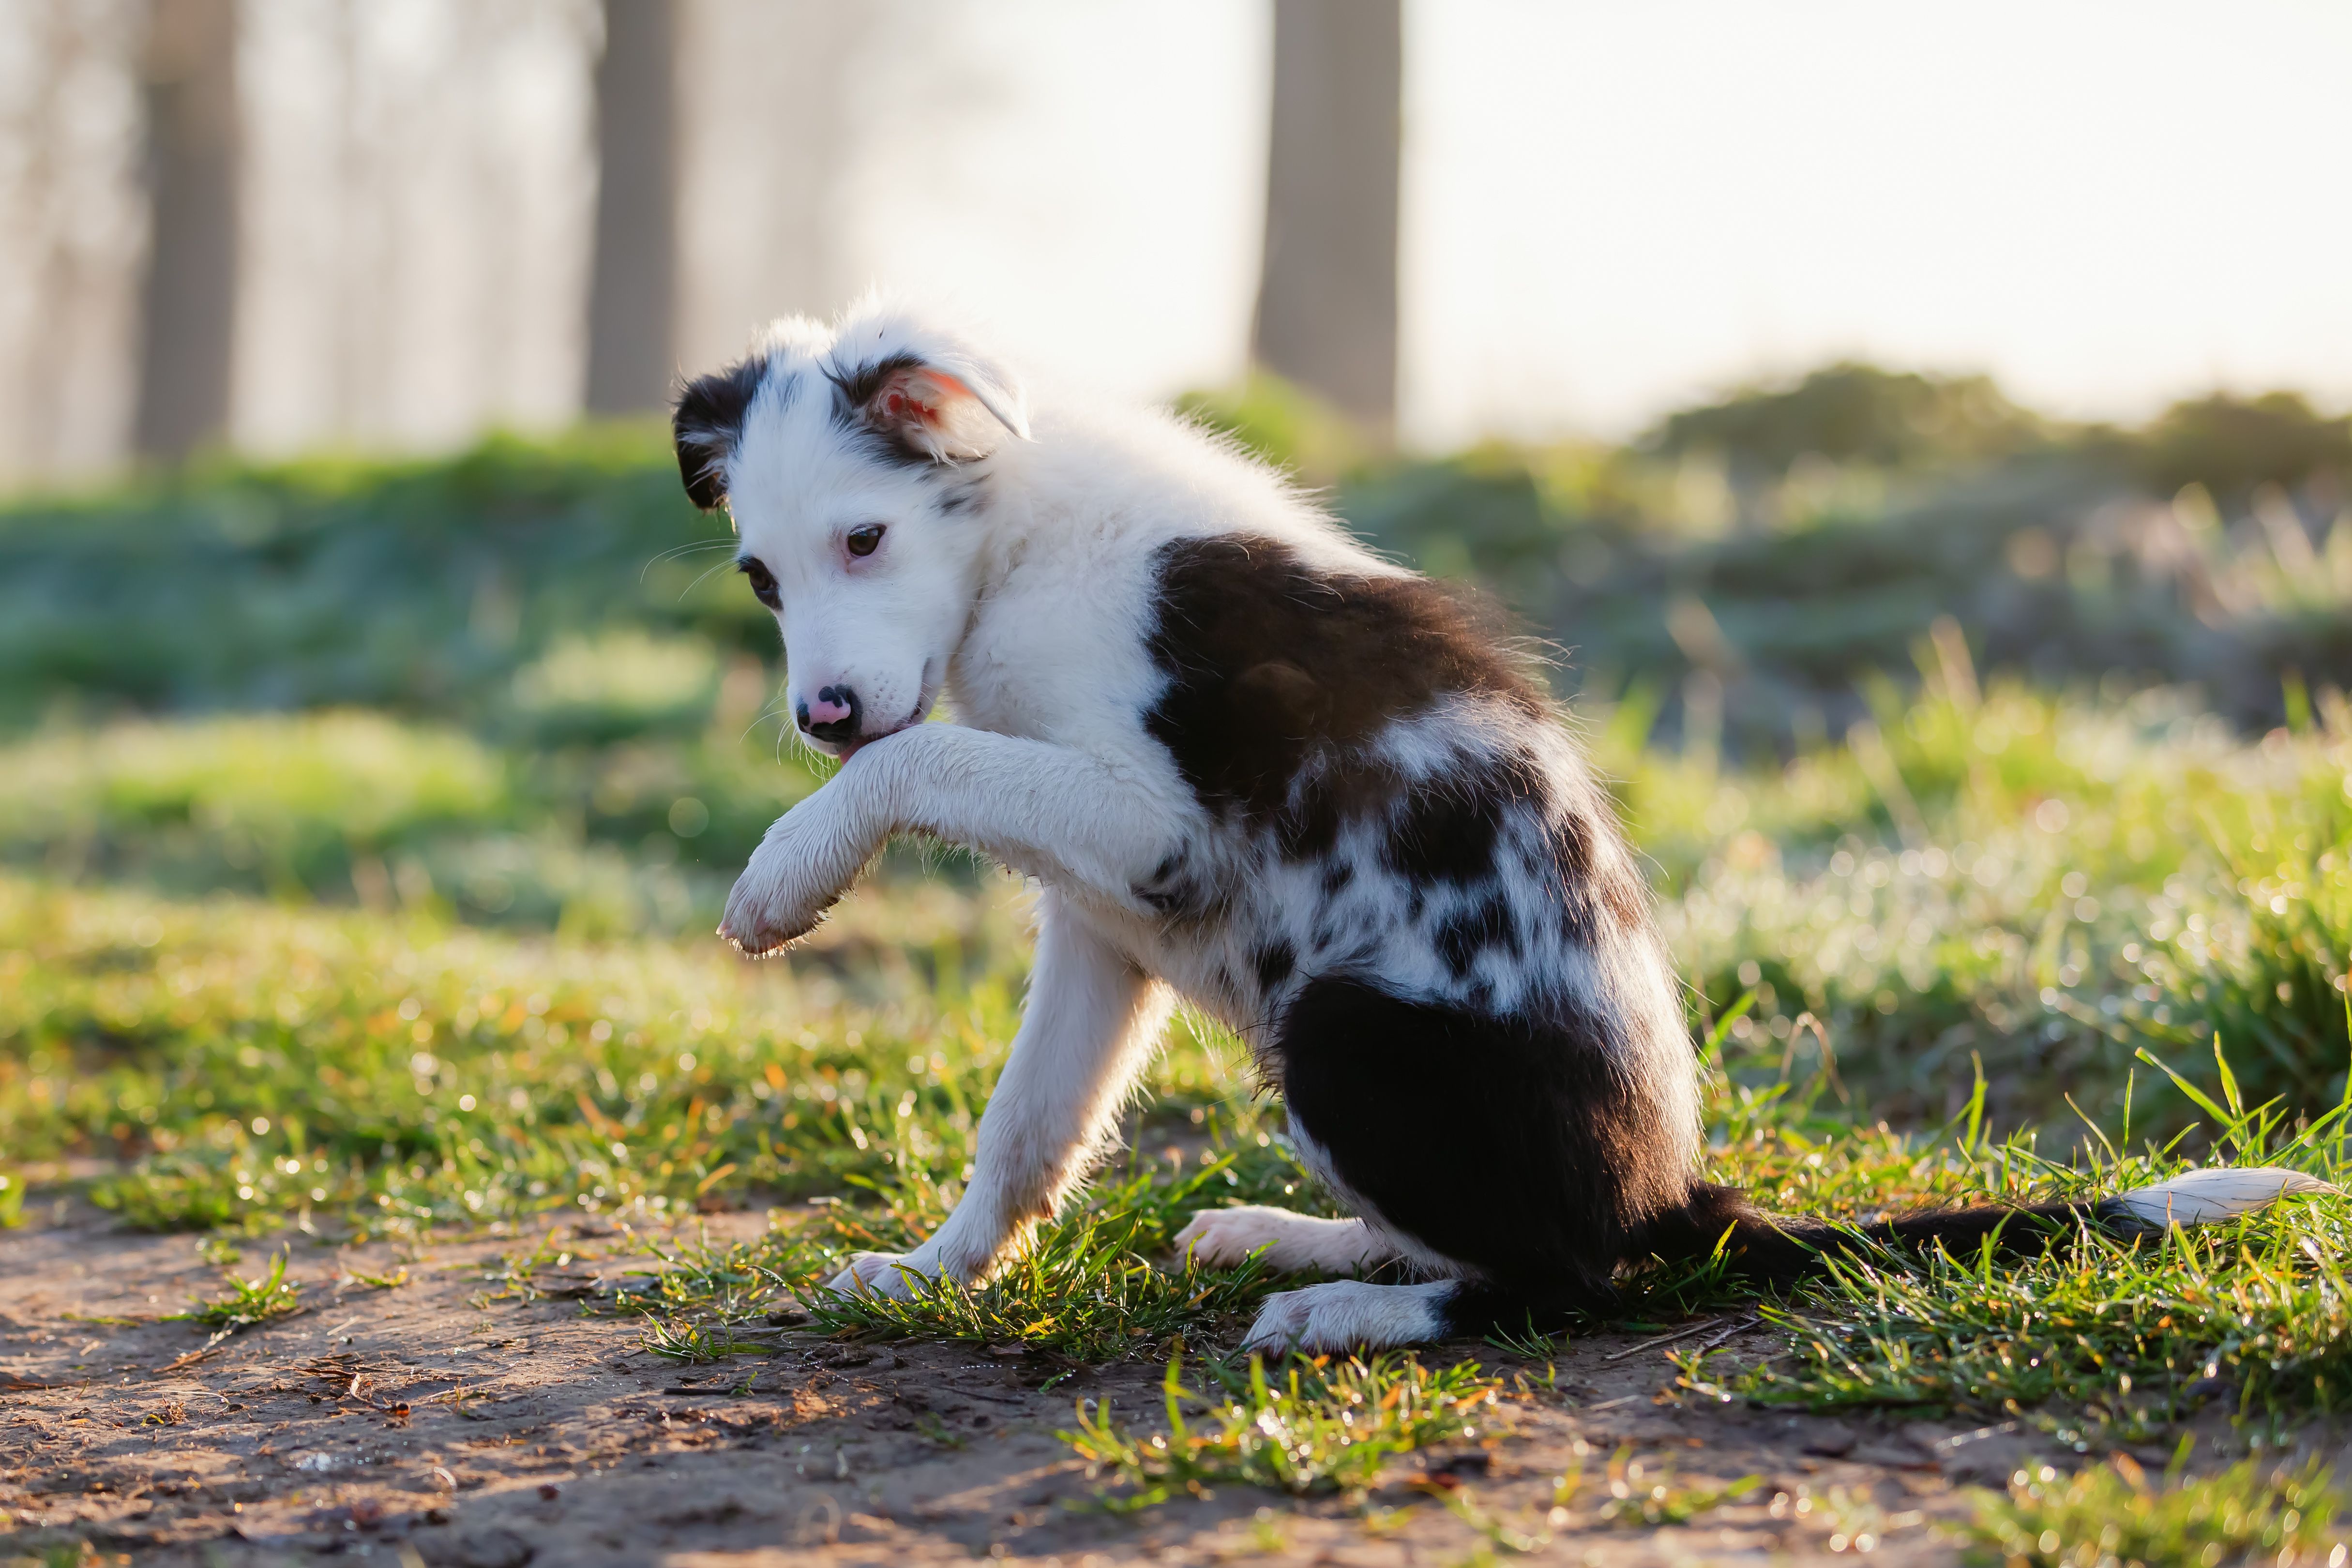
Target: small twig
[
  {"x": 1664, "y": 1339},
  {"x": 199, "y": 1353},
  {"x": 1740, "y": 1327}
]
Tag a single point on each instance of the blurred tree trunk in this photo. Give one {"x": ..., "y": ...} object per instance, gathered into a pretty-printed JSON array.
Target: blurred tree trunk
[
  {"x": 632, "y": 294},
  {"x": 187, "y": 327},
  {"x": 1326, "y": 306},
  {"x": 764, "y": 146}
]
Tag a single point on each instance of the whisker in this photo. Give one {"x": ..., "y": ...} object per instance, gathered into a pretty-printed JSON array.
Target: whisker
[
  {"x": 774, "y": 709},
  {"x": 675, "y": 551},
  {"x": 697, "y": 583}
]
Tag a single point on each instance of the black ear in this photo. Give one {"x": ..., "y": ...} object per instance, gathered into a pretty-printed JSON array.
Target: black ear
[{"x": 708, "y": 421}]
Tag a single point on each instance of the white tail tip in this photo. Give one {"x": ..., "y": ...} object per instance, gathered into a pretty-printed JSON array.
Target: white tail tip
[{"x": 2208, "y": 1198}]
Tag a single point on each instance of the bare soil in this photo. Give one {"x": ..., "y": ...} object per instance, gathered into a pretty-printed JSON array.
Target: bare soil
[{"x": 442, "y": 1423}]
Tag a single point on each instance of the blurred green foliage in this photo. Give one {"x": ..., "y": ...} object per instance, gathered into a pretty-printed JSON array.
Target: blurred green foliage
[
  {"x": 353, "y": 805},
  {"x": 1283, "y": 423},
  {"x": 2116, "y": 1512},
  {"x": 1852, "y": 412},
  {"x": 2041, "y": 885},
  {"x": 1784, "y": 544},
  {"x": 2233, "y": 445},
  {"x": 1790, "y": 542},
  {"x": 420, "y": 586}
]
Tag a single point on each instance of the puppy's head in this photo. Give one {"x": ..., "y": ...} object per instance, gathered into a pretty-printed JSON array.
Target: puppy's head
[{"x": 854, "y": 461}]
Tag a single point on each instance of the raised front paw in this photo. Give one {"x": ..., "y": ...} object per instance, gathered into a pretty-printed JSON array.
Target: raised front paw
[
  {"x": 762, "y": 918},
  {"x": 889, "y": 1274},
  {"x": 799, "y": 871}
]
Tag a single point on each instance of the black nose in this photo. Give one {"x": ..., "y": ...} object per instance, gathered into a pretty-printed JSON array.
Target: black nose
[{"x": 843, "y": 711}]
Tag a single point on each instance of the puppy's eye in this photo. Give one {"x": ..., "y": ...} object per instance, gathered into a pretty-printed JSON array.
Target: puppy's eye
[
  {"x": 864, "y": 539},
  {"x": 763, "y": 582}
]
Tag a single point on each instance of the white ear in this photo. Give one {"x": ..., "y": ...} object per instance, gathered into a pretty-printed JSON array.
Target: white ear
[{"x": 947, "y": 412}]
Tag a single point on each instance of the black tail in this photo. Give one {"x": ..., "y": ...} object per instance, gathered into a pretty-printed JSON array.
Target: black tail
[
  {"x": 1780, "y": 1250},
  {"x": 1783, "y": 1250},
  {"x": 1773, "y": 1250}
]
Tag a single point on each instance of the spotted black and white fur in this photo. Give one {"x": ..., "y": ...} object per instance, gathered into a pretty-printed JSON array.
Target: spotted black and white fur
[{"x": 1255, "y": 767}]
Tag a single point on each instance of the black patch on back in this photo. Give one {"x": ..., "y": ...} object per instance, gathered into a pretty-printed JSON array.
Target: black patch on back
[
  {"x": 1591, "y": 894},
  {"x": 1274, "y": 961},
  {"x": 1271, "y": 664},
  {"x": 1470, "y": 931},
  {"x": 1445, "y": 829},
  {"x": 706, "y": 423}
]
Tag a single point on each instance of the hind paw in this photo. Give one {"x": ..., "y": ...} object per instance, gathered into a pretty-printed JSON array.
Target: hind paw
[{"x": 1348, "y": 1315}]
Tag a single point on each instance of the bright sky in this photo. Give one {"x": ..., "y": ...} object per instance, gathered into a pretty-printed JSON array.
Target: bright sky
[{"x": 1611, "y": 208}]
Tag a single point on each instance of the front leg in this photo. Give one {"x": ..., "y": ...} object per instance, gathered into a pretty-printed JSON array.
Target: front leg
[
  {"x": 1062, "y": 816},
  {"x": 1092, "y": 1020}
]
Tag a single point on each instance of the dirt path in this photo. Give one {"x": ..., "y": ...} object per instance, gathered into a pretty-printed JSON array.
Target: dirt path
[{"x": 437, "y": 1423}]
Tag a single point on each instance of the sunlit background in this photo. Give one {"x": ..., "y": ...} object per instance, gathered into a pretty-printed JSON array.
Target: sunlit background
[
  {"x": 1917, "y": 436},
  {"x": 1915, "y": 441}
]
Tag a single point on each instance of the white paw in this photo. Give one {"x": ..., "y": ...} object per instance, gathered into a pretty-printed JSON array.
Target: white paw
[
  {"x": 892, "y": 1275},
  {"x": 1292, "y": 1242},
  {"x": 1347, "y": 1314},
  {"x": 800, "y": 870}
]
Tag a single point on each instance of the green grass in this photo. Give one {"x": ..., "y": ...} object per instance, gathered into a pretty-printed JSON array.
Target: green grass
[
  {"x": 1311, "y": 1427},
  {"x": 2130, "y": 1337},
  {"x": 244, "y": 1063},
  {"x": 248, "y": 1303},
  {"x": 2042, "y": 884},
  {"x": 433, "y": 587},
  {"x": 248, "y": 1062},
  {"x": 2127, "y": 1336},
  {"x": 247, "y": 1065},
  {"x": 352, "y": 806},
  {"x": 1636, "y": 1500},
  {"x": 2254, "y": 1511},
  {"x": 419, "y": 586},
  {"x": 1891, "y": 915},
  {"x": 1097, "y": 1285}
]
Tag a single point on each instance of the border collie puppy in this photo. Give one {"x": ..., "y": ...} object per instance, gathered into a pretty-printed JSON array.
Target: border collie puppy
[{"x": 1257, "y": 767}]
